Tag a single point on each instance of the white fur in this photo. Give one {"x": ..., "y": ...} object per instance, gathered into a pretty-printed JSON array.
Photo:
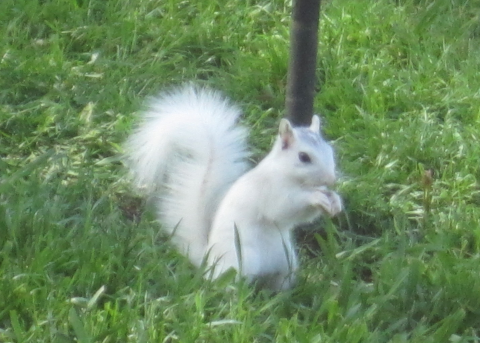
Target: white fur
[{"x": 189, "y": 153}]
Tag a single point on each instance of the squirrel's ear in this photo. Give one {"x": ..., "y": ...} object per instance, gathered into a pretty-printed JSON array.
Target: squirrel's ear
[
  {"x": 286, "y": 134},
  {"x": 315, "y": 126}
]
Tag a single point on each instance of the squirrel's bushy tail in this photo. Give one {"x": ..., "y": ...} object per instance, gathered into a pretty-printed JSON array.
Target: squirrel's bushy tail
[{"x": 186, "y": 153}]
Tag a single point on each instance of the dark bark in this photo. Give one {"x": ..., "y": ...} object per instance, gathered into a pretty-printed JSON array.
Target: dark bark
[{"x": 303, "y": 59}]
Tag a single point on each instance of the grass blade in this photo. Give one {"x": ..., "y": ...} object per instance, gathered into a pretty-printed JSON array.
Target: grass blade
[
  {"x": 78, "y": 327},
  {"x": 238, "y": 249}
]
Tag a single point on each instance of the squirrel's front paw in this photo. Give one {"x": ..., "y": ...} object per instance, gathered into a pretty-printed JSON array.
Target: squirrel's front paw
[
  {"x": 329, "y": 201},
  {"x": 335, "y": 203}
]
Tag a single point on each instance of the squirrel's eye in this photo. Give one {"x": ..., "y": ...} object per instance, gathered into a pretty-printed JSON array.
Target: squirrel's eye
[{"x": 303, "y": 156}]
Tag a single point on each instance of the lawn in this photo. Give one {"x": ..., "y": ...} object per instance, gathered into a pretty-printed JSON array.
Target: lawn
[{"x": 82, "y": 258}]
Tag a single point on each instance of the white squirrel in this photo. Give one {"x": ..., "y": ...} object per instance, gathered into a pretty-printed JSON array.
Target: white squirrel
[{"x": 190, "y": 155}]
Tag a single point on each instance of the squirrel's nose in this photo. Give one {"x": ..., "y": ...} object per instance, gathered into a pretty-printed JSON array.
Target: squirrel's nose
[{"x": 330, "y": 179}]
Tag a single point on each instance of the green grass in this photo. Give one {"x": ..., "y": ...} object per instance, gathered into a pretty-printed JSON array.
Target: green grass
[{"x": 82, "y": 259}]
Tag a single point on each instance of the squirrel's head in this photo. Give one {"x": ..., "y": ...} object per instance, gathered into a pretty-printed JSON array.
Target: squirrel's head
[{"x": 305, "y": 154}]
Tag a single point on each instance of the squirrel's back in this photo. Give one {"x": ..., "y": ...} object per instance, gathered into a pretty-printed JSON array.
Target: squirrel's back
[{"x": 186, "y": 153}]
